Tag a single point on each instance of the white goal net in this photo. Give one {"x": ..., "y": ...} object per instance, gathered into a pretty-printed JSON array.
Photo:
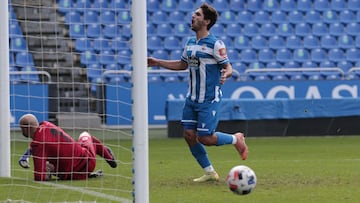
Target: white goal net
[{"x": 71, "y": 64}]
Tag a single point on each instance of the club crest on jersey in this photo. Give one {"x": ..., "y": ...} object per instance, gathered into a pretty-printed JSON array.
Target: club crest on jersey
[
  {"x": 194, "y": 61},
  {"x": 222, "y": 52}
]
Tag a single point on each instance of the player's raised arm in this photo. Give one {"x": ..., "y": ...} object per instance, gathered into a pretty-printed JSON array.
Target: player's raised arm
[{"x": 168, "y": 64}]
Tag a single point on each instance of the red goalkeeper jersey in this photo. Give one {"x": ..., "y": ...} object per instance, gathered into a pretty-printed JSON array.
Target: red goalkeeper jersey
[{"x": 71, "y": 160}]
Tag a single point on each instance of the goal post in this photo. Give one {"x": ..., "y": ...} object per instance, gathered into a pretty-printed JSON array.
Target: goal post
[
  {"x": 140, "y": 104},
  {"x": 4, "y": 92}
]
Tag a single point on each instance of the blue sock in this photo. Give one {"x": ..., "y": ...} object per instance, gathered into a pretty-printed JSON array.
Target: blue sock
[
  {"x": 223, "y": 138},
  {"x": 200, "y": 154}
]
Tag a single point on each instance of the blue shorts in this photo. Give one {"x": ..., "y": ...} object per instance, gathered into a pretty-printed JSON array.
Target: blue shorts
[{"x": 202, "y": 117}]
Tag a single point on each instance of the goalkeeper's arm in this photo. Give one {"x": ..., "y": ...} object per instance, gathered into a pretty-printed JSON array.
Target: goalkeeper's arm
[{"x": 24, "y": 159}]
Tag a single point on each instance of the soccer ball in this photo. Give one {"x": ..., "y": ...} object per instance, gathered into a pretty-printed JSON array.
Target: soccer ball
[{"x": 241, "y": 180}]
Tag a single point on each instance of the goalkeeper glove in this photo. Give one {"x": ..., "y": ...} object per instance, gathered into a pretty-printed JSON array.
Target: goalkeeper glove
[{"x": 24, "y": 160}]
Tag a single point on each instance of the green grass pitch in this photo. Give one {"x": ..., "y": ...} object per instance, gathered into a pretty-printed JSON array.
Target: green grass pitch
[{"x": 288, "y": 169}]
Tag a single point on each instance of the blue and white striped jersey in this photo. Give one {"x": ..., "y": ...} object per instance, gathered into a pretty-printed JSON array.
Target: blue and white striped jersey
[{"x": 205, "y": 59}]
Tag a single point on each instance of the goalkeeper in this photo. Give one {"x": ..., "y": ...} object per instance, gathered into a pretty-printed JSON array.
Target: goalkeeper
[{"x": 57, "y": 153}]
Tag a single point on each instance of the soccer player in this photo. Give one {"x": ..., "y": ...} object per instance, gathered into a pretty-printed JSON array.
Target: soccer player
[
  {"x": 57, "y": 153},
  {"x": 209, "y": 67}
]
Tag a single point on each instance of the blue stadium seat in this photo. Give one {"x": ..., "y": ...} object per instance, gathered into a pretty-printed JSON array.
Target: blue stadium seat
[
  {"x": 233, "y": 55},
  {"x": 182, "y": 29},
  {"x": 169, "y": 5},
  {"x": 309, "y": 64},
  {"x": 321, "y": 5},
  {"x": 124, "y": 57},
  {"x": 288, "y": 5},
  {"x": 64, "y": 6},
  {"x": 154, "y": 43},
  {"x": 29, "y": 77},
  {"x": 254, "y": 5},
  {"x": 14, "y": 78},
  {"x": 271, "y": 5},
  {"x": 232, "y": 30},
  {"x": 292, "y": 64},
  {"x": 221, "y": 5},
  {"x": 268, "y": 29},
  {"x": 304, "y": 5},
  {"x": 241, "y": 42},
  {"x": 237, "y": 5},
  {"x": 94, "y": 71},
  {"x": 123, "y": 17},
  {"x": 23, "y": 59},
  {"x": 346, "y": 42},
  {"x": 82, "y": 5},
  {"x": 18, "y": 44},
  {"x": 171, "y": 43},
  {"x": 227, "y": 17},
  {"x": 88, "y": 57},
  {"x": 152, "y": 5},
  {"x": 11, "y": 59},
  {"x": 259, "y": 42},
  {"x": 118, "y": 44},
  {"x": 151, "y": 29},
  {"x": 344, "y": 65},
  {"x": 112, "y": 66},
  {"x": 336, "y": 55},
  {"x": 186, "y": 5},
  {"x": 336, "y": 29},
  {"x": 248, "y": 56},
  {"x": 337, "y": 5},
  {"x": 330, "y": 16},
  {"x": 279, "y": 17},
  {"x": 328, "y": 42},
  {"x": 159, "y": 17},
  {"x": 90, "y": 16},
  {"x": 164, "y": 30},
  {"x": 161, "y": 54},
  {"x": 176, "y": 17},
  {"x": 284, "y": 55},
  {"x": 347, "y": 16},
  {"x": 118, "y": 5},
  {"x": 15, "y": 30},
  {"x": 219, "y": 29},
  {"x": 72, "y": 17},
  {"x": 111, "y": 31},
  {"x": 313, "y": 17},
  {"x": 176, "y": 54},
  {"x": 311, "y": 42},
  {"x": 296, "y": 17},
  {"x": 276, "y": 42},
  {"x": 301, "y": 55},
  {"x": 353, "y": 29},
  {"x": 107, "y": 17},
  {"x": 318, "y": 55},
  {"x": 353, "y": 55},
  {"x": 267, "y": 55},
  {"x": 294, "y": 42},
  {"x": 228, "y": 41},
  {"x": 100, "y": 4},
  {"x": 320, "y": 29},
  {"x": 93, "y": 30},
  {"x": 77, "y": 30},
  {"x": 262, "y": 17},
  {"x": 240, "y": 67},
  {"x": 244, "y": 17},
  {"x": 303, "y": 29},
  {"x": 102, "y": 44},
  {"x": 83, "y": 44},
  {"x": 354, "y": 5},
  {"x": 273, "y": 64},
  {"x": 357, "y": 41},
  {"x": 251, "y": 29},
  {"x": 285, "y": 30}
]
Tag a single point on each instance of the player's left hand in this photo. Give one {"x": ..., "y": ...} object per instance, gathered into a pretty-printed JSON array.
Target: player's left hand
[{"x": 24, "y": 163}]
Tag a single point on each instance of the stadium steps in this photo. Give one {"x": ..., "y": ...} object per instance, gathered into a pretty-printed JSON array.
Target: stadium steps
[{"x": 52, "y": 52}]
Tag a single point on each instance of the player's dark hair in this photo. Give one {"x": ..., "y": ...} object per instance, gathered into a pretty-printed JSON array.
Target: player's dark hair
[{"x": 209, "y": 14}]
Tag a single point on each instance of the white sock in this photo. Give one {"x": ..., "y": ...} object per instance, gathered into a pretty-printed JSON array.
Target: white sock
[
  {"x": 234, "y": 139},
  {"x": 209, "y": 169}
]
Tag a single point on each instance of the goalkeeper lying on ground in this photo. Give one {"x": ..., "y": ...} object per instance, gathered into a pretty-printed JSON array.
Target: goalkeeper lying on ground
[{"x": 57, "y": 153}]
